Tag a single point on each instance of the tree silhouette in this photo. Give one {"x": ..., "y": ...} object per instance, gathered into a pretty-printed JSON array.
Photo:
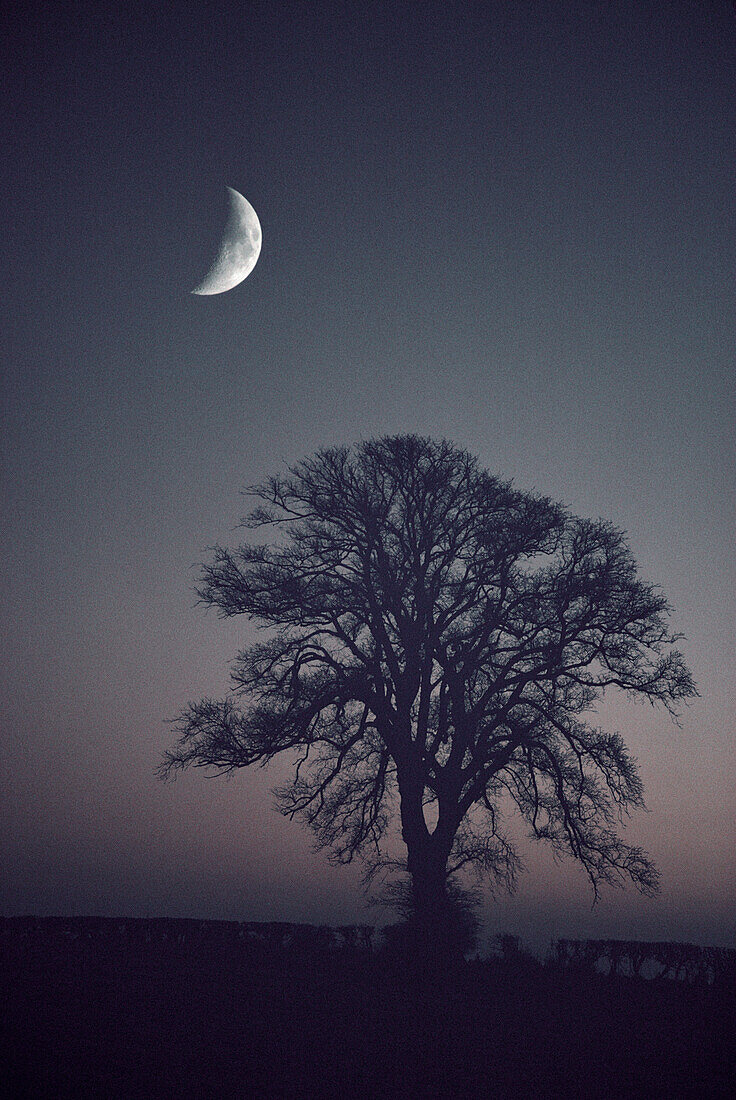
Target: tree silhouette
[{"x": 437, "y": 637}]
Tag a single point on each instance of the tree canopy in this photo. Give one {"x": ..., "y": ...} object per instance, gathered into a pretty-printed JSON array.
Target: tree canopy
[{"x": 436, "y": 637}]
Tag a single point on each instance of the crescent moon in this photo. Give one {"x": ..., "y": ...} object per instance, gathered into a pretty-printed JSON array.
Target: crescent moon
[{"x": 239, "y": 249}]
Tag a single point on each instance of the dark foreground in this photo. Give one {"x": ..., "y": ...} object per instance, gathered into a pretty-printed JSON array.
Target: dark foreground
[{"x": 96, "y": 1016}]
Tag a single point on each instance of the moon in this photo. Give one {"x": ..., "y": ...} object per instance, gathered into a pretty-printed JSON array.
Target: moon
[{"x": 239, "y": 249}]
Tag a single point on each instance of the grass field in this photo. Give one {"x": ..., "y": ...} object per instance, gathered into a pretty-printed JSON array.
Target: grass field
[{"x": 113, "y": 1017}]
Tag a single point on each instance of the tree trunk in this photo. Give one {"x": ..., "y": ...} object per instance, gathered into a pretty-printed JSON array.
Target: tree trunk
[
  {"x": 434, "y": 930},
  {"x": 430, "y": 903},
  {"x": 434, "y": 921}
]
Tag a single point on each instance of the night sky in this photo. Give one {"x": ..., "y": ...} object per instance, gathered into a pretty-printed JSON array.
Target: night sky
[{"x": 511, "y": 224}]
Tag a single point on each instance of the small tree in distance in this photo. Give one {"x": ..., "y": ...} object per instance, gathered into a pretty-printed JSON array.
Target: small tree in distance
[{"x": 436, "y": 640}]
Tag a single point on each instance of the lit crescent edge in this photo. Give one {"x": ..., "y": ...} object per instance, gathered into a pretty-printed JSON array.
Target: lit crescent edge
[{"x": 239, "y": 249}]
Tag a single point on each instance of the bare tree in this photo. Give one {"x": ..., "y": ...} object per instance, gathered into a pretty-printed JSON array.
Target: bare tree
[{"x": 436, "y": 639}]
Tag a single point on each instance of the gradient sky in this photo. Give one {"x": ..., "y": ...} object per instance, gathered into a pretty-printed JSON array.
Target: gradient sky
[{"x": 511, "y": 224}]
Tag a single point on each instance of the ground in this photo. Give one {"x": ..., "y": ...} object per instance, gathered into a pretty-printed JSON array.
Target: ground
[{"x": 95, "y": 1018}]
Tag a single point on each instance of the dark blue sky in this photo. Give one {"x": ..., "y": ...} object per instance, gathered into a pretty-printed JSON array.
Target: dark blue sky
[{"x": 510, "y": 224}]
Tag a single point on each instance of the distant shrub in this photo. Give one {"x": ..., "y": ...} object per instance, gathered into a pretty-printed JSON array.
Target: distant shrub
[{"x": 684, "y": 962}]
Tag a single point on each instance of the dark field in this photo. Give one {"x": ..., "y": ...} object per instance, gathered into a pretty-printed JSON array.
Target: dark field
[{"x": 192, "y": 1009}]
